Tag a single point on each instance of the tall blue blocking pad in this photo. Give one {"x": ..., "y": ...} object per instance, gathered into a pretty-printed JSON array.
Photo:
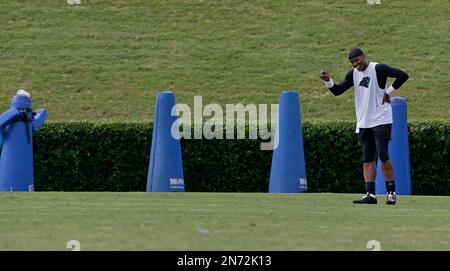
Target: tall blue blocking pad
[
  {"x": 165, "y": 173},
  {"x": 288, "y": 172},
  {"x": 398, "y": 151},
  {"x": 16, "y": 159}
]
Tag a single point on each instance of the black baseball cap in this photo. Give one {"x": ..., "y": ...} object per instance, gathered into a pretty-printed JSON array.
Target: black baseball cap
[{"x": 354, "y": 52}]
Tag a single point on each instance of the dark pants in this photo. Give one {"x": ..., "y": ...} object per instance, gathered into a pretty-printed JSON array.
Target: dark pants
[{"x": 375, "y": 140}]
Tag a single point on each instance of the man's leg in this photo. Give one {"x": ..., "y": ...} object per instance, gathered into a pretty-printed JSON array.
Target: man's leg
[
  {"x": 382, "y": 137},
  {"x": 370, "y": 171},
  {"x": 369, "y": 168},
  {"x": 388, "y": 170}
]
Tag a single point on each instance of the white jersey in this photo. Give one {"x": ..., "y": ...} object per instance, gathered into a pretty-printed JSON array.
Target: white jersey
[{"x": 370, "y": 111}]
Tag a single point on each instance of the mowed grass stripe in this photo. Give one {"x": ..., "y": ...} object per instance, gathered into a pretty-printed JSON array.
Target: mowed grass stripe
[{"x": 219, "y": 221}]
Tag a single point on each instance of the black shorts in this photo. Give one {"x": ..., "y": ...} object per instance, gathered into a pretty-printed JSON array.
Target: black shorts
[{"x": 375, "y": 140}]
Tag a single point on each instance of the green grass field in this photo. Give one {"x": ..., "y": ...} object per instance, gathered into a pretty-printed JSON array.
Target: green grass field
[
  {"x": 106, "y": 60},
  {"x": 220, "y": 221}
]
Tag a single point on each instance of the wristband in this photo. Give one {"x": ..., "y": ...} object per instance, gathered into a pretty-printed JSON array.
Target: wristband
[
  {"x": 329, "y": 83},
  {"x": 389, "y": 90}
]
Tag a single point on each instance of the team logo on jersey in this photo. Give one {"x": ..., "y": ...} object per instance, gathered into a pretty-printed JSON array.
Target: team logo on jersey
[{"x": 365, "y": 82}]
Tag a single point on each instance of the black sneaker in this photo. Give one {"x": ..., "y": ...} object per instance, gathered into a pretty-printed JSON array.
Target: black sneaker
[
  {"x": 391, "y": 198},
  {"x": 367, "y": 199}
]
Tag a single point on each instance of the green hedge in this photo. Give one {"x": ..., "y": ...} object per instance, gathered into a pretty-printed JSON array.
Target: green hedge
[{"x": 87, "y": 156}]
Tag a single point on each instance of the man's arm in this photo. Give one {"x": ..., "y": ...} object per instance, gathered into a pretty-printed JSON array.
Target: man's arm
[
  {"x": 339, "y": 88},
  {"x": 384, "y": 71}
]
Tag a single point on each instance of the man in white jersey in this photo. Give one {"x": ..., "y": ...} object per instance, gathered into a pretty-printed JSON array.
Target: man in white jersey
[{"x": 373, "y": 116}]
